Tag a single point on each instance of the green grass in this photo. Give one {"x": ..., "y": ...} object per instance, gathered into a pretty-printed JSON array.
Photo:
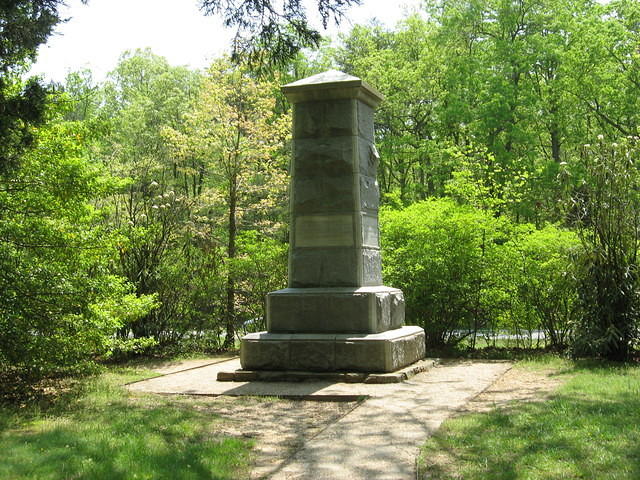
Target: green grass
[
  {"x": 590, "y": 429},
  {"x": 100, "y": 432}
]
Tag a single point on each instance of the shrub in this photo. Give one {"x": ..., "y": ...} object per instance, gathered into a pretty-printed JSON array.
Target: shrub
[
  {"x": 437, "y": 252},
  {"x": 539, "y": 270}
]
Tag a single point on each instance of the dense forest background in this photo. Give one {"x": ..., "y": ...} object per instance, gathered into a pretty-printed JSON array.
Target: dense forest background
[{"x": 149, "y": 211}]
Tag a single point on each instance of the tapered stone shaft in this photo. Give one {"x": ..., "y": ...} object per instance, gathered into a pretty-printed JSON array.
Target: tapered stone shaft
[{"x": 334, "y": 192}]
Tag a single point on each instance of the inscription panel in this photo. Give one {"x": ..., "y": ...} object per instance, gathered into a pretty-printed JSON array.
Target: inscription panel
[{"x": 324, "y": 231}]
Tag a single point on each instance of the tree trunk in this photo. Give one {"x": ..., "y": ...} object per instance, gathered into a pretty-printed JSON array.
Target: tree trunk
[{"x": 229, "y": 340}]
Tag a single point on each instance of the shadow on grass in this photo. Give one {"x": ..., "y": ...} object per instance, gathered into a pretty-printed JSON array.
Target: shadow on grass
[
  {"x": 590, "y": 429},
  {"x": 106, "y": 436}
]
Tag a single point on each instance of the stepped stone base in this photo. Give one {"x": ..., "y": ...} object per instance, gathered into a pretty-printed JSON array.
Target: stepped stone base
[{"x": 328, "y": 352}]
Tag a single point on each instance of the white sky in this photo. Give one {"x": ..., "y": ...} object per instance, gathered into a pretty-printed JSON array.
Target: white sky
[{"x": 98, "y": 33}]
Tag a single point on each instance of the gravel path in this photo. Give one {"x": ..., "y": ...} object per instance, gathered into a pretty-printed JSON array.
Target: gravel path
[
  {"x": 375, "y": 439},
  {"x": 380, "y": 438}
]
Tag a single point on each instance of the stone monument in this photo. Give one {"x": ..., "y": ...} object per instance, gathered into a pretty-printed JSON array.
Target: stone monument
[{"x": 335, "y": 314}]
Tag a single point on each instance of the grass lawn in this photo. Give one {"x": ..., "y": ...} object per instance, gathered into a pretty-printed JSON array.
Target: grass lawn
[
  {"x": 589, "y": 429},
  {"x": 99, "y": 431}
]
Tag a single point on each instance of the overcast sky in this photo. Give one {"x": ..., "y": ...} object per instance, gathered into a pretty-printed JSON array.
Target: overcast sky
[{"x": 97, "y": 33}]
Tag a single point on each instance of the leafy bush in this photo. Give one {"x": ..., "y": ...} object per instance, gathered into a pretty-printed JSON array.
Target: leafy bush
[
  {"x": 465, "y": 272},
  {"x": 59, "y": 306},
  {"x": 539, "y": 271},
  {"x": 437, "y": 252},
  {"x": 259, "y": 268}
]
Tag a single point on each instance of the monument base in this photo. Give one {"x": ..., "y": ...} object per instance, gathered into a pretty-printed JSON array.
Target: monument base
[
  {"x": 335, "y": 310},
  {"x": 325, "y": 352}
]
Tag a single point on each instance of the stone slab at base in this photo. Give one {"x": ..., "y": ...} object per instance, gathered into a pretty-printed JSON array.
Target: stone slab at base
[
  {"x": 379, "y": 352},
  {"x": 337, "y": 377}
]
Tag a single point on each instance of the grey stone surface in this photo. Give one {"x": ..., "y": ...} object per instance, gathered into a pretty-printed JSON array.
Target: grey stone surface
[
  {"x": 365, "y": 121},
  {"x": 323, "y": 266},
  {"x": 265, "y": 355},
  {"x": 324, "y": 119},
  {"x": 369, "y": 193},
  {"x": 382, "y": 352},
  {"x": 336, "y": 230},
  {"x": 333, "y": 310},
  {"x": 371, "y": 267},
  {"x": 367, "y": 160},
  {"x": 396, "y": 376},
  {"x": 307, "y": 192},
  {"x": 370, "y": 232},
  {"x": 325, "y": 157},
  {"x": 397, "y": 309},
  {"x": 331, "y": 85}
]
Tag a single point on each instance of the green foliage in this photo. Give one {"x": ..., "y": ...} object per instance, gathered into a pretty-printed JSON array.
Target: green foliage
[
  {"x": 259, "y": 268},
  {"x": 438, "y": 253},
  {"x": 464, "y": 272},
  {"x": 24, "y": 25},
  {"x": 269, "y": 33},
  {"x": 60, "y": 304},
  {"x": 538, "y": 268}
]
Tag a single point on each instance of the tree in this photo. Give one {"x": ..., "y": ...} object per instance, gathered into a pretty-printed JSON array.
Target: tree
[
  {"x": 606, "y": 213},
  {"x": 270, "y": 35},
  {"x": 24, "y": 24},
  {"x": 143, "y": 96},
  {"x": 236, "y": 137},
  {"x": 404, "y": 65},
  {"x": 60, "y": 305}
]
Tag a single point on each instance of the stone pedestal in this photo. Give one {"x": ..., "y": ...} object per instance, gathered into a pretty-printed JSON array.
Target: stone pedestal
[{"x": 336, "y": 314}]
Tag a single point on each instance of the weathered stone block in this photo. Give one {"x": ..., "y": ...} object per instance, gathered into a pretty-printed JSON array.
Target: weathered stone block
[
  {"x": 371, "y": 267},
  {"x": 265, "y": 355},
  {"x": 361, "y": 355},
  {"x": 383, "y": 311},
  {"x": 323, "y": 267},
  {"x": 336, "y": 310},
  {"x": 365, "y": 120},
  {"x": 381, "y": 352},
  {"x": 324, "y": 157},
  {"x": 333, "y": 118},
  {"x": 397, "y": 309},
  {"x": 406, "y": 350},
  {"x": 322, "y": 195},
  {"x": 314, "y": 355},
  {"x": 319, "y": 310},
  {"x": 367, "y": 158},
  {"x": 369, "y": 193}
]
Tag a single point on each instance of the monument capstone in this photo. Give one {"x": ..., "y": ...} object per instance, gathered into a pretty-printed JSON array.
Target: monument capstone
[{"x": 335, "y": 315}]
